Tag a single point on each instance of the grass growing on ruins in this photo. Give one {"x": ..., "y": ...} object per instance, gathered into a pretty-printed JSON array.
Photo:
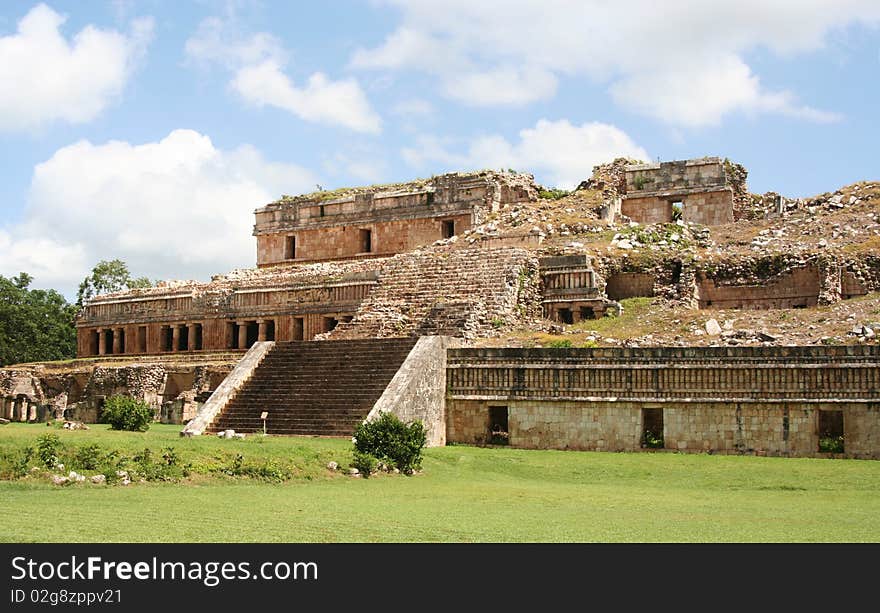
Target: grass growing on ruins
[{"x": 465, "y": 494}]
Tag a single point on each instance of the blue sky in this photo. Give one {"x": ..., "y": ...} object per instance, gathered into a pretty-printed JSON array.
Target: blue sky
[{"x": 149, "y": 130}]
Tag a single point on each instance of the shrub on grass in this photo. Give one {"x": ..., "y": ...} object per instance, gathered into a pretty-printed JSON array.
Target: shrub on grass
[
  {"x": 365, "y": 463},
  {"x": 49, "y": 449},
  {"x": 392, "y": 441},
  {"x": 126, "y": 413}
]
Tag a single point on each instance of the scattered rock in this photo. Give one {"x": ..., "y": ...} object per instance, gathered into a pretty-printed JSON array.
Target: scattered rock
[
  {"x": 332, "y": 465},
  {"x": 712, "y": 327},
  {"x": 353, "y": 471},
  {"x": 98, "y": 479},
  {"x": 59, "y": 480}
]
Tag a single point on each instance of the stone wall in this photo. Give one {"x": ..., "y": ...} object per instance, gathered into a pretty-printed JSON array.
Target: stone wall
[
  {"x": 709, "y": 208},
  {"x": 797, "y": 288},
  {"x": 449, "y": 292},
  {"x": 342, "y": 241},
  {"x": 629, "y": 285},
  {"x": 418, "y": 390},
  {"x": 230, "y": 312},
  {"x": 764, "y": 400},
  {"x": 174, "y": 386},
  {"x": 702, "y": 187},
  {"x": 398, "y": 217}
]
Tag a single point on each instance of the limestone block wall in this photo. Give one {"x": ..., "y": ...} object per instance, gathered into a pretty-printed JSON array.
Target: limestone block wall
[
  {"x": 174, "y": 386},
  {"x": 629, "y": 285},
  {"x": 708, "y": 208},
  {"x": 793, "y": 289},
  {"x": 764, "y": 400},
  {"x": 399, "y": 217},
  {"x": 417, "y": 391},
  {"x": 698, "y": 173}
]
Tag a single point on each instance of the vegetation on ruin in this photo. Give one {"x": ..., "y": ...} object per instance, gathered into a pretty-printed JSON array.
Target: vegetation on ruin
[
  {"x": 108, "y": 276},
  {"x": 35, "y": 324},
  {"x": 464, "y": 494},
  {"x": 553, "y": 194}
]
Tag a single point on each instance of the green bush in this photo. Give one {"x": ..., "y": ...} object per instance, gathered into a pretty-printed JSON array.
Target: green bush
[
  {"x": 561, "y": 343},
  {"x": 831, "y": 444},
  {"x": 126, "y": 413},
  {"x": 390, "y": 440},
  {"x": 365, "y": 463},
  {"x": 88, "y": 457},
  {"x": 268, "y": 470},
  {"x": 553, "y": 194},
  {"x": 49, "y": 449},
  {"x": 14, "y": 463}
]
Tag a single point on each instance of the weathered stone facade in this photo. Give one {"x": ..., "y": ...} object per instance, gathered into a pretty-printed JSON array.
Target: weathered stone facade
[
  {"x": 762, "y": 400},
  {"x": 386, "y": 220},
  {"x": 698, "y": 189}
]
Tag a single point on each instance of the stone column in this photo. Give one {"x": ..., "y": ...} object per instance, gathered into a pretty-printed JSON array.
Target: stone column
[
  {"x": 261, "y": 333},
  {"x": 117, "y": 341},
  {"x": 32, "y": 411},
  {"x": 102, "y": 348},
  {"x": 242, "y": 335},
  {"x": 8, "y": 406},
  {"x": 175, "y": 337},
  {"x": 22, "y": 404},
  {"x": 191, "y": 337}
]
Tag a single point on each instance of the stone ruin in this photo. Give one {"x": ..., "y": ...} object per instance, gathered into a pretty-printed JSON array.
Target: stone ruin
[{"x": 380, "y": 280}]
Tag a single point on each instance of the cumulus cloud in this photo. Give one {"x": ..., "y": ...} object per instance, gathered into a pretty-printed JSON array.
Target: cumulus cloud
[
  {"x": 257, "y": 64},
  {"x": 560, "y": 153},
  {"x": 176, "y": 208},
  {"x": 45, "y": 77},
  {"x": 682, "y": 61}
]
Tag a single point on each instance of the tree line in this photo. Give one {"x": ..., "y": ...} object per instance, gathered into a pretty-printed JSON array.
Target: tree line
[{"x": 38, "y": 325}]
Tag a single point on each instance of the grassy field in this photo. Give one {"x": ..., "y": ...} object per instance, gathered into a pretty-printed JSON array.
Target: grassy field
[{"x": 464, "y": 494}]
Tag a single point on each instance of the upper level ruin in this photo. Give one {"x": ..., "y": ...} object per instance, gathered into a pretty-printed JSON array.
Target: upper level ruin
[
  {"x": 701, "y": 191},
  {"x": 382, "y": 220}
]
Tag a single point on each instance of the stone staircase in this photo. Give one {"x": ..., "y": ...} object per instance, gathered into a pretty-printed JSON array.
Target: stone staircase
[
  {"x": 448, "y": 291},
  {"x": 315, "y": 388}
]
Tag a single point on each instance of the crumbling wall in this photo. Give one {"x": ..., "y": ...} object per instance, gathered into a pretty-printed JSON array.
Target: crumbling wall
[
  {"x": 43, "y": 392},
  {"x": 451, "y": 292}
]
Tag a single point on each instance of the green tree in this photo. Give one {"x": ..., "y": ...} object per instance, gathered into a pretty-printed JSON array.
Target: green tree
[
  {"x": 35, "y": 325},
  {"x": 108, "y": 276}
]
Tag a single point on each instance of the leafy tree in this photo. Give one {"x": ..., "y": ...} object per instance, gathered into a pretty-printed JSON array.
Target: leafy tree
[
  {"x": 35, "y": 325},
  {"x": 108, "y": 276}
]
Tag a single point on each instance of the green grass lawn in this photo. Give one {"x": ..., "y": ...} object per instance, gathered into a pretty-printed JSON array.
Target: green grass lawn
[{"x": 464, "y": 494}]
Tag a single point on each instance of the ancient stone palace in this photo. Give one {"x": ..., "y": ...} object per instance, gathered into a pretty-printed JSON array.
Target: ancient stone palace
[{"x": 419, "y": 299}]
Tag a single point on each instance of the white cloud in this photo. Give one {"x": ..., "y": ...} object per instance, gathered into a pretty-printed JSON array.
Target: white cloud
[
  {"x": 560, "y": 154},
  {"x": 413, "y": 107},
  {"x": 703, "y": 92},
  {"x": 45, "y": 77},
  {"x": 648, "y": 53},
  {"x": 257, "y": 65},
  {"x": 176, "y": 208}
]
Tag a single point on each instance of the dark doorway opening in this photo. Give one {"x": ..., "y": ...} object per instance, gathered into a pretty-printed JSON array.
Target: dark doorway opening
[
  {"x": 142, "y": 339},
  {"x": 270, "y": 329},
  {"x": 831, "y": 431},
  {"x": 253, "y": 333},
  {"x": 121, "y": 340},
  {"x": 290, "y": 248},
  {"x": 448, "y": 228},
  {"x": 94, "y": 341},
  {"x": 167, "y": 339},
  {"x": 588, "y": 313},
  {"x": 330, "y": 323},
  {"x": 233, "y": 335},
  {"x": 298, "y": 328},
  {"x": 108, "y": 341},
  {"x": 366, "y": 240},
  {"x": 565, "y": 316},
  {"x": 183, "y": 338},
  {"x": 499, "y": 429},
  {"x": 652, "y": 428},
  {"x": 197, "y": 341}
]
